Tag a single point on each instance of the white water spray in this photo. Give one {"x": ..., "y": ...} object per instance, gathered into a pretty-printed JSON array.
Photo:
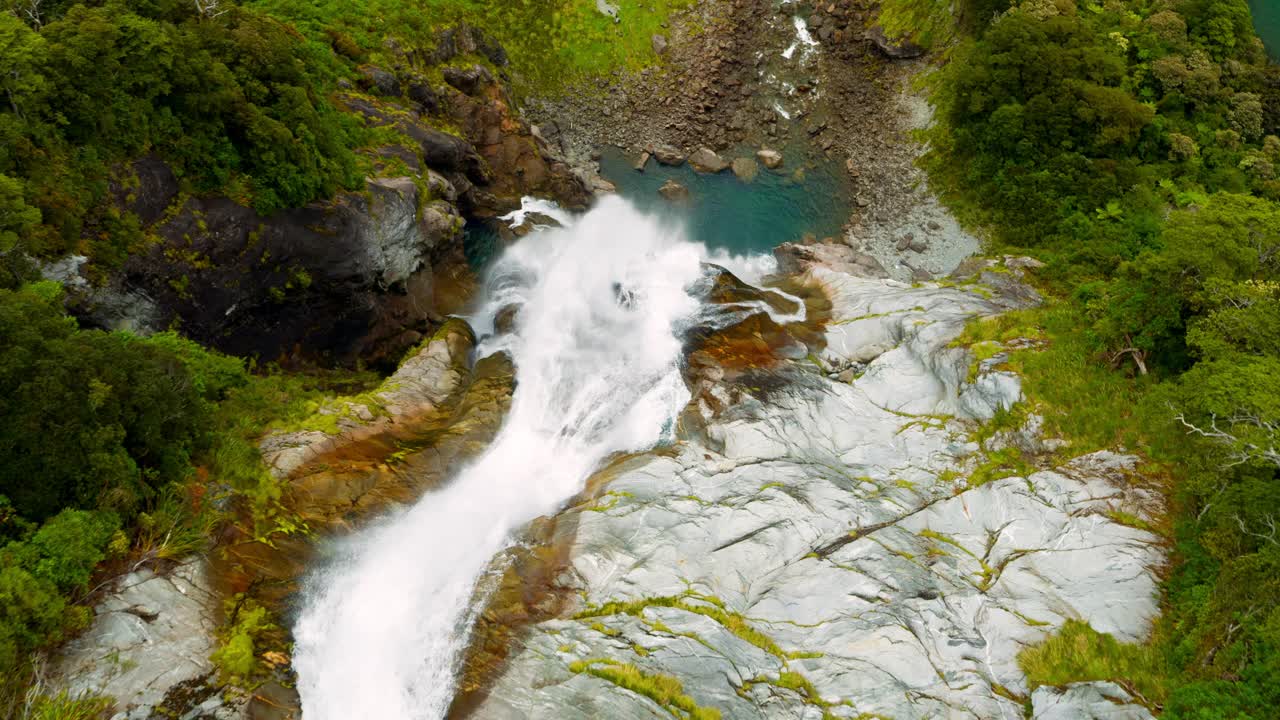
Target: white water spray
[{"x": 596, "y": 348}]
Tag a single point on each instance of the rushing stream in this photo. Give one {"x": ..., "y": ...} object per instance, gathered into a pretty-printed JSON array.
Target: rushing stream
[{"x": 597, "y": 346}]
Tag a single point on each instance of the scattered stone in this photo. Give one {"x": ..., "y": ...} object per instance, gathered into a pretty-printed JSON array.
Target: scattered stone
[
  {"x": 772, "y": 159},
  {"x": 674, "y": 192},
  {"x": 904, "y": 242},
  {"x": 642, "y": 161},
  {"x": 918, "y": 245},
  {"x": 745, "y": 169},
  {"x": 667, "y": 155},
  {"x": 705, "y": 160}
]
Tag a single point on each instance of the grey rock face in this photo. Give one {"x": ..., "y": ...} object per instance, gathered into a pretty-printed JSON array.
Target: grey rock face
[
  {"x": 237, "y": 280},
  {"x": 424, "y": 382},
  {"x": 151, "y": 633},
  {"x": 1086, "y": 701},
  {"x": 836, "y": 532},
  {"x": 396, "y": 242}
]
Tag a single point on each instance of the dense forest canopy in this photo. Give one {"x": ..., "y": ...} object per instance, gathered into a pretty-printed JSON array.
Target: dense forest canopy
[{"x": 1134, "y": 145}]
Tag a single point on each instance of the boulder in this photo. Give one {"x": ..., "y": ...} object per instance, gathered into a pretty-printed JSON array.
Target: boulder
[
  {"x": 896, "y": 49},
  {"x": 745, "y": 169},
  {"x": 150, "y": 632},
  {"x": 674, "y": 192},
  {"x": 772, "y": 159},
  {"x": 468, "y": 80},
  {"x": 659, "y": 44},
  {"x": 705, "y": 160},
  {"x": 424, "y": 96},
  {"x": 797, "y": 258},
  {"x": 667, "y": 155},
  {"x": 642, "y": 161},
  {"x": 377, "y": 81}
]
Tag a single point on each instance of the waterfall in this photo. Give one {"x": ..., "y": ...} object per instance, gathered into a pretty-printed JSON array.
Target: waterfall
[{"x": 596, "y": 346}]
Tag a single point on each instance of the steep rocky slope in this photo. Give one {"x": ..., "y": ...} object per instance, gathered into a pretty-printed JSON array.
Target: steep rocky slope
[{"x": 364, "y": 275}]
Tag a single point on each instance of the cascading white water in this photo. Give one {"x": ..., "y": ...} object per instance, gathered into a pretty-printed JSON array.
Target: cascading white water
[{"x": 596, "y": 348}]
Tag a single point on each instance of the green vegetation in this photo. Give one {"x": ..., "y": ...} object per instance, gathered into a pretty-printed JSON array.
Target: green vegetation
[
  {"x": 550, "y": 42},
  {"x": 132, "y": 440},
  {"x": 664, "y": 690},
  {"x": 64, "y": 707},
  {"x": 237, "y": 101},
  {"x": 242, "y": 640},
  {"x": 1132, "y": 146},
  {"x": 1078, "y": 653}
]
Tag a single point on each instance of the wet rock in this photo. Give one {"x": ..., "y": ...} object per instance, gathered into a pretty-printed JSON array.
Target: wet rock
[
  {"x": 641, "y": 162},
  {"x": 667, "y": 155},
  {"x": 772, "y": 159},
  {"x": 148, "y": 189},
  {"x": 422, "y": 94},
  {"x": 378, "y": 81},
  {"x": 899, "y": 49},
  {"x": 705, "y": 160},
  {"x": 534, "y": 221},
  {"x": 471, "y": 80},
  {"x": 674, "y": 192},
  {"x": 427, "y": 381},
  {"x": 745, "y": 169},
  {"x": 795, "y": 258}
]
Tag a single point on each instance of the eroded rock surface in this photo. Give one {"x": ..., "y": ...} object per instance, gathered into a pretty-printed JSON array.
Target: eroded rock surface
[
  {"x": 839, "y": 547},
  {"x": 151, "y": 633}
]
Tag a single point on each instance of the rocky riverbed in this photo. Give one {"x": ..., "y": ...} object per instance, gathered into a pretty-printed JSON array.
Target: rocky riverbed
[
  {"x": 813, "y": 81},
  {"x": 833, "y": 546}
]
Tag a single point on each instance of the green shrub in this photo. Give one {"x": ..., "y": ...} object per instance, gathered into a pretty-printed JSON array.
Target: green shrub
[{"x": 1078, "y": 653}]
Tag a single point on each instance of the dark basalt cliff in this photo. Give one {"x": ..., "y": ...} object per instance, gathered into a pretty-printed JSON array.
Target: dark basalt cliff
[{"x": 365, "y": 274}]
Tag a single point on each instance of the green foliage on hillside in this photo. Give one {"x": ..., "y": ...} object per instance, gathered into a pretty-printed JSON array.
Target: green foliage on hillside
[
  {"x": 233, "y": 101},
  {"x": 1134, "y": 145},
  {"x": 115, "y": 445},
  {"x": 550, "y": 42},
  {"x": 237, "y": 101}
]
